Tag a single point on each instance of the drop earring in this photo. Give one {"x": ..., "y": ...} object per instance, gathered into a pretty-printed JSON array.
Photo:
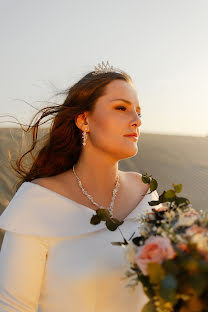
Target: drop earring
[{"x": 84, "y": 137}]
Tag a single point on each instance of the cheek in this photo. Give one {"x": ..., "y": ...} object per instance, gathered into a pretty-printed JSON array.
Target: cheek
[
  {"x": 107, "y": 134},
  {"x": 106, "y": 126}
]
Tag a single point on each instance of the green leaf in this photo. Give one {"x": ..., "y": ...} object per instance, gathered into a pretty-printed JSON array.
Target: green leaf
[
  {"x": 138, "y": 240},
  {"x": 153, "y": 185},
  {"x": 178, "y": 188},
  {"x": 198, "y": 283},
  {"x": 149, "y": 307},
  {"x": 168, "y": 288},
  {"x": 170, "y": 194},
  {"x": 155, "y": 272},
  {"x": 171, "y": 267},
  {"x": 145, "y": 179},
  {"x": 104, "y": 214},
  {"x": 180, "y": 200},
  {"x": 144, "y": 279},
  {"x": 169, "y": 281},
  {"x": 161, "y": 197},
  {"x": 154, "y": 202},
  {"x": 95, "y": 220},
  {"x": 113, "y": 223}
]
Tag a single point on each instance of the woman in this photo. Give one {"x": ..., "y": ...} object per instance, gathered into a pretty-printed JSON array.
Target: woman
[{"x": 52, "y": 257}]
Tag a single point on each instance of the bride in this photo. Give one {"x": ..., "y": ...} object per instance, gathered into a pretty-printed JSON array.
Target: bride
[{"x": 52, "y": 258}]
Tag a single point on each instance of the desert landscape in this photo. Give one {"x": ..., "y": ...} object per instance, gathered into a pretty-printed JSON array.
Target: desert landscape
[{"x": 168, "y": 158}]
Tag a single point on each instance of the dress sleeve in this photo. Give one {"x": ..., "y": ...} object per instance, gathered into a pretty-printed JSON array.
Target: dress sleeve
[{"x": 22, "y": 266}]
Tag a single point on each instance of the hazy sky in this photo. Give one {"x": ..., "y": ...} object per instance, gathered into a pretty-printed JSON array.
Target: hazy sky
[{"x": 162, "y": 44}]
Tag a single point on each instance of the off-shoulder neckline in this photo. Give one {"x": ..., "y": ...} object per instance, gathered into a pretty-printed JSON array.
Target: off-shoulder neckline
[{"x": 76, "y": 203}]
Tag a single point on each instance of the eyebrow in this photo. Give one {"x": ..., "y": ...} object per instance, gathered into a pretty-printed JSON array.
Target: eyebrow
[{"x": 127, "y": 102}]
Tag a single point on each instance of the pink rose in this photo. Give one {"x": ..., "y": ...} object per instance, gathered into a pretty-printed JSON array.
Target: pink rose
[
  {"x": 162, "y": 208},
  {"x": 195, "y": 229},
  {"x": 156, "y": 249},
  {"x": 191, "y": 213}
]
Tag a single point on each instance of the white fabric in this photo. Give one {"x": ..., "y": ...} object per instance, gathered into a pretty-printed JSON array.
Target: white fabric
[{"x": 53, "y": 260}]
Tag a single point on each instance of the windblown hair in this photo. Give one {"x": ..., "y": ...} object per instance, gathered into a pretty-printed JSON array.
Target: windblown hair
[{"x": 64, "y": 143}]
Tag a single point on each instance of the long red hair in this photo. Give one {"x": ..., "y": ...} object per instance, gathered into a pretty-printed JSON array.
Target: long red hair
[{"x": 64, "y": 141}]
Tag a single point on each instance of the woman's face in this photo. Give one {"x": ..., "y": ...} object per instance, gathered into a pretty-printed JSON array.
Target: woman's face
[{"x": 116, "y": 114}]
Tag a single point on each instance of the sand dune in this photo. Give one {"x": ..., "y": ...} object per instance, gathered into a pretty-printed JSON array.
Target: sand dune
[{"x": 170, "y": 159}]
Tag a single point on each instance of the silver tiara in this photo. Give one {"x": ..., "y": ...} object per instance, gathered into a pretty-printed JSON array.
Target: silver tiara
[{"x": 103, "y": 68}]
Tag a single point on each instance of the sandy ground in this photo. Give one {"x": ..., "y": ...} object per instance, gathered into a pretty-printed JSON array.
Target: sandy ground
[{"x": 168, "y": 158}]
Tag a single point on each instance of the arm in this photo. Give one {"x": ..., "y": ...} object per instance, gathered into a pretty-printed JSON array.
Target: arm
[{"x": 22, "y": 267}]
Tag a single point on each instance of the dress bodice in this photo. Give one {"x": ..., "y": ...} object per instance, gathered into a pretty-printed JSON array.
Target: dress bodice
[{"x": 71, "y": 264}]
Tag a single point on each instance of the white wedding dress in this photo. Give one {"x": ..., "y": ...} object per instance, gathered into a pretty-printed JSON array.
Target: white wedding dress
[{"x": 53, "y": 260}]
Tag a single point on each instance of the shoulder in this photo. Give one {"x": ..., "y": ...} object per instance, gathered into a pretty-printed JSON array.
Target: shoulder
[
  {"x": 133, "y": 180},
  {"x": 45, "y": 182},
  {"x": 136, "y": 176},
  {"x": 53, "y": 184},
  {"x": 39, "y": 181}
]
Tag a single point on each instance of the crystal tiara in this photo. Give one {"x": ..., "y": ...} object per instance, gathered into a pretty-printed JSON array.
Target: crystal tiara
[{"x": 103, "y": 68}]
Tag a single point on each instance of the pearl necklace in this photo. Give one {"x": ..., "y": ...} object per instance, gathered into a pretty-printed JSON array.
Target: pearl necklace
[{"x": 90, "y": 197}]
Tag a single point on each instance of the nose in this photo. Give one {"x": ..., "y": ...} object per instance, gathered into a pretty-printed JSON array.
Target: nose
[{"x": 137, "y": 121}]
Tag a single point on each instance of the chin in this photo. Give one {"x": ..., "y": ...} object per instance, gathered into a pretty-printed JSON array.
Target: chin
[
  {"x": 128, "y": 153},
  {"x": 133, "y": 153}
]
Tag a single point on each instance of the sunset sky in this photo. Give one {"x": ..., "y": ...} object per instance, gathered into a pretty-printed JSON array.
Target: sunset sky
[{"x": 46, "y": 45}]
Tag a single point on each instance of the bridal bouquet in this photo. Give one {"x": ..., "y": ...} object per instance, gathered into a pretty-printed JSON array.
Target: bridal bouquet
[{"x": 170, "y": 255}]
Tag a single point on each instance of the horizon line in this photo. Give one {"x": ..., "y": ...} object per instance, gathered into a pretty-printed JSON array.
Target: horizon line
[{"x": 142, "y": 132}]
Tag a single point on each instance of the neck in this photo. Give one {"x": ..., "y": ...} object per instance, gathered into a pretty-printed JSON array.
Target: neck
[{"x": 98, "y": 174}]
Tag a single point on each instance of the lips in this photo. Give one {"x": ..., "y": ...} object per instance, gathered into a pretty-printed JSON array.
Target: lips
[{"x": 132, "y": 134}]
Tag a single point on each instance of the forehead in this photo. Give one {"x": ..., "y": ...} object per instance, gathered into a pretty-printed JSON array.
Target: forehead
[{"x": 121, "y": 89}]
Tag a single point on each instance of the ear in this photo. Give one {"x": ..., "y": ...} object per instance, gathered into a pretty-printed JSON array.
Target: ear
[{"x": 81, "y": 121}]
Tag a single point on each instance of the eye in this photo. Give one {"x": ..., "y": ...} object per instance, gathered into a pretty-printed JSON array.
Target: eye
[
  {"x": 124, "y": 108},
  {"x": 121, "y": 107}
]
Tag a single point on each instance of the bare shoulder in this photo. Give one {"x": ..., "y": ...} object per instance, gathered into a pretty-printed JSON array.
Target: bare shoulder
[
  {"x": 43, "y": 181},
  {"x": 134, "y": 180},
  {"x": 133, "y": 175},
  {"x": 55, "y": 183},
  {"x": 37, "y": 181}
]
